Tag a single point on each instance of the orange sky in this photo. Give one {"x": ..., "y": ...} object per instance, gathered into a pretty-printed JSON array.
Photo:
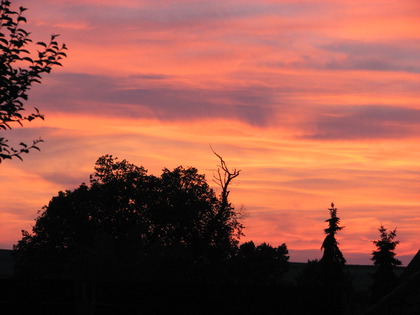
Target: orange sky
[{"x": 315, "y": 101}]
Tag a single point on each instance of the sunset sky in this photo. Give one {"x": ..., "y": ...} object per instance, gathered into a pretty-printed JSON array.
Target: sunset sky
[{"x": 315, "y": 101}]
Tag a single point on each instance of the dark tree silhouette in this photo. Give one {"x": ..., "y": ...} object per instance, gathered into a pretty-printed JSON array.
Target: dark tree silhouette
[
  {"x": 127, "y": 223},
  {"x": 384, "y": 279},
  {"x": 332, "y": 254},
  {"x": 329, "y": 270},
  {"x": 384, "y": 256},
  {"x": 332, "y": 262},
  {"x": 18, "y": 71}
]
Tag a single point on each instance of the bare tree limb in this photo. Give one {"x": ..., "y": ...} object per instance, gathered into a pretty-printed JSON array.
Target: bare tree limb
[{"x": 223, "y": 177}]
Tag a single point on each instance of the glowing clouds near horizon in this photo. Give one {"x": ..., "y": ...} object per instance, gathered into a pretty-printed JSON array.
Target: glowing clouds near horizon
[{"x": 315, "y": 101}]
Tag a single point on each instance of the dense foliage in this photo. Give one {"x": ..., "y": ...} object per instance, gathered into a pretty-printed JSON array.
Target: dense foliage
[
  {"x": 127, "y": 221},
  {"x": 262, "y": 264},
  {"x": 18, "y": 71}
]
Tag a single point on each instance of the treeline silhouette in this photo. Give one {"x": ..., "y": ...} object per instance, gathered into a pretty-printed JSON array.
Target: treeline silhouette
[{"x": 131, "y": 239}]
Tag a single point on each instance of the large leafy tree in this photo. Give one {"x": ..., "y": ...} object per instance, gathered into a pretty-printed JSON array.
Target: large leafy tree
[
  {"x": 18, "y": 71},
  {"x": 129, "y": 223},
  {"x": 384, "y": 258}
]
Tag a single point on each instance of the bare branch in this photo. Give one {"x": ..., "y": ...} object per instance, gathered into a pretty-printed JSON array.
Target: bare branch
[
  {"x": 228, "y": 176},
  {"x": 223, "y": 177}
]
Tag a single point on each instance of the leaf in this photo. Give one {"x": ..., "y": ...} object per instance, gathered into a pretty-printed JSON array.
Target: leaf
[
  {"x": 23, "y": 31},
  {"x": 18, "y": 156}
]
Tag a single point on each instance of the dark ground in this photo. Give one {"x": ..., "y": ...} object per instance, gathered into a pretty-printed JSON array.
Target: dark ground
[{"x": 25, "y": 296}]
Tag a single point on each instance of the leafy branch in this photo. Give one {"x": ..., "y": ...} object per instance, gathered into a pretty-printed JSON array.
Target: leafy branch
[{"x": 18, "y": 71}]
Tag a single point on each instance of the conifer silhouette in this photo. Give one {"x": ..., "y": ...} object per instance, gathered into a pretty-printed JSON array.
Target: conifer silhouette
[
  {"x": 332, "y": 254},
  {"x": 384, "y": 279}
]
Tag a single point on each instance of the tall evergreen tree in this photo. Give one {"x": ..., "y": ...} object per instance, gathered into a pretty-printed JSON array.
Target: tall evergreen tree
[
  {"x": 328, "y": 272},
  {"x": 332, "y": 276},
  {"x": 332, "y": 254}
]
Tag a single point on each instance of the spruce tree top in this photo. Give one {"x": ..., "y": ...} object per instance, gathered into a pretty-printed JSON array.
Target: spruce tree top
[{"x": 332, "y": 254}]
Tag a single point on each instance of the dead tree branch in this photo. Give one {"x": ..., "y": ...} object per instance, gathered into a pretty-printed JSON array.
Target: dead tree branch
[{"x": 223, "y": 177}]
